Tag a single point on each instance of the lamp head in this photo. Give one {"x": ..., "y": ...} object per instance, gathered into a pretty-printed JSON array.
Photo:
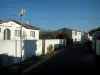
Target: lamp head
[{"x": 21, "y": 12}]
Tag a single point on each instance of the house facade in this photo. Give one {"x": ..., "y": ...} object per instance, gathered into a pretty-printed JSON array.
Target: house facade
[
  {"x": 85, "y": 35},
  {"x": 75, "y": 35},
  {"x": 95, "y": 33},
  {"x": 11, "y": 30}
]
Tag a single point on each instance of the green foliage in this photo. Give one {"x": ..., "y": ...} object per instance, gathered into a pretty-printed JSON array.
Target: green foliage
[
  {"x": 49, "y": 48},
  {"x": 63, "y": 36}
]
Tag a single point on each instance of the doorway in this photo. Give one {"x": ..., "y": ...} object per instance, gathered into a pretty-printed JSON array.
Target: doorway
[{"x": 7, "y": 34}]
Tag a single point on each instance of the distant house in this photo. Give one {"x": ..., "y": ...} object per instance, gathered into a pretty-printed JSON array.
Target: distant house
[
  {"x": 52, "y": 35},
  {"x": 85, "y": 35},
  {"x": 74, "y": 34},
  {"x": 10, "y": 30}
]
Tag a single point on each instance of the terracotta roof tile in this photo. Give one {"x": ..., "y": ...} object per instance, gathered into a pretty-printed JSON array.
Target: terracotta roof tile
[{"x": 24, "y": 25}]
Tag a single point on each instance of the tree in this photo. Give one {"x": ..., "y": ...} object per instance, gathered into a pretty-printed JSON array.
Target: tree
[{"x": 63, "y": 36}]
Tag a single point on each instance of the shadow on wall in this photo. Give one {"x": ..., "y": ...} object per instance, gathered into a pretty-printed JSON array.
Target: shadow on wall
[
  {"x": 7, "y": 60},
  {"x": 30, "y": 48},
  {"x": 56, "y": 47}
]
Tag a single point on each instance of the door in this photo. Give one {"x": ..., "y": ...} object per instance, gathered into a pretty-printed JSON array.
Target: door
[
  {"x": 43, "y": 46},
  {"x": 7, "y": 34},
  {"x": 75, "y": 39}
]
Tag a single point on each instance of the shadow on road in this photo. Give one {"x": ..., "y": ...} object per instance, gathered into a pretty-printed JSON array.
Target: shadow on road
[{"x": 74, "y": 59}]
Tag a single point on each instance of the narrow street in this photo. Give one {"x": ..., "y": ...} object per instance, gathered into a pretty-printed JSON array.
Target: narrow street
[{"x": 75, "y": 58}]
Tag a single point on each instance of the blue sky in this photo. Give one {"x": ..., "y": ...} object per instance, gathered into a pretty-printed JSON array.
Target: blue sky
[{"x": 54, "y": 14}]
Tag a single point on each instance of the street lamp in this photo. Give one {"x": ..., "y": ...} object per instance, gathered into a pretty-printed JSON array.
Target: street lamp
[{"x": 21, "y": 13}]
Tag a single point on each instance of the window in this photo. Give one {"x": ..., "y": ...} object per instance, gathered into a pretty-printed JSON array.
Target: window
[
  {"x": 75, "y": 39},
  {"x": 75, "y": 33},
  {"x": 7, "y": 34},
  {"x": 32, "y": 34},
  {"x": 0, "y": 29},
  {"x": 17, "y": 33}
]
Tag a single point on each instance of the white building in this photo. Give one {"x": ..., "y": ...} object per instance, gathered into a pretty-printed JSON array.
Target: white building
[
  {"x": 10, "y": 40},
  {"x": 95, "y": 40},
  {"x": 75, "y": 35},
  {"x": 85, "y": 35},
  {"x": 10, "y": 30},
  {"x": 10, "y": 48}
]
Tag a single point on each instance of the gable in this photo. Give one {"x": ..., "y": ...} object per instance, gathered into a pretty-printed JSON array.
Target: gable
[{"x": 12, "y": 22}]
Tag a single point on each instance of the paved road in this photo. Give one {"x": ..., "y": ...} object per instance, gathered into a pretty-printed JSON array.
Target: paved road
[{"x": 76, "y": 58}]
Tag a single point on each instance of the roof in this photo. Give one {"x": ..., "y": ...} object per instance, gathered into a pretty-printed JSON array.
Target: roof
[
  {"x": 24, "y": 25},
  {"x": 49, "y": 35},
  {"x": 85, "y": 32},
  {"x": 94, "y": 30},
  {"x": 72, "y": 29},
  {"x": 53, "y": 35},
  {"x": 75, "y": 30}
]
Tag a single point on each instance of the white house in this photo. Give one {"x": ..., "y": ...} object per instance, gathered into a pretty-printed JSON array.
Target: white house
[
  {"x": 10, "y": 40},
  {"x": 74, "y": 34},
  {"x": 85, "y": 35},
  {"x": 10, "y": 48},
  {"x": 10, "y": 30}
]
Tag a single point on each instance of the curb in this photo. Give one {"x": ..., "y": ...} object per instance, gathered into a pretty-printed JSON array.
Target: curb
[{"x": 42, "y": 61}]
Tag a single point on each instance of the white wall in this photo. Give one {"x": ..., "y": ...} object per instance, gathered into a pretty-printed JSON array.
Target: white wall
[
  {"x": 6, "y": 47},
  {"x": 98, "y": 47},
  {"x": 77, "y": 37},
  {"x": 10, "y": 48},
  {"x": 14, "y": 26},
  {"x": 39, "y": 47},
  {"x": 30, "y": 47},
  {"x": 53, "y": 42},
  {"x": 28, "y": 34}
]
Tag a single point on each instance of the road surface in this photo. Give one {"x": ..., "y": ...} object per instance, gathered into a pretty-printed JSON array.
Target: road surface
[{"x": 74, "y": 59}]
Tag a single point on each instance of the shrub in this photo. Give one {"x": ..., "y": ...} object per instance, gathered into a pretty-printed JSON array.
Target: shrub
[{"x": 49, "y": 48}]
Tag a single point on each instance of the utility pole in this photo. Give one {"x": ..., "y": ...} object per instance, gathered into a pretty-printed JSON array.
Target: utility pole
[{"x": 21, "y": 13}]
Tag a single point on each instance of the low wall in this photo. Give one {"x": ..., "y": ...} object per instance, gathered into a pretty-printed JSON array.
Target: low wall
[
  {"x": 54, "y": 42},
  {"x": 39, "y": 47},
  {"x": 11, "y": 48},
  {"x": 10, "y": 51}
]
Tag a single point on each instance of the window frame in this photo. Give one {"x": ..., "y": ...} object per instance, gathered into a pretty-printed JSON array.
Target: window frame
[
  {"x": 32, "y": 34},
  {"x": 75, "y": 32},
  {"x": 17, "y": 33}
]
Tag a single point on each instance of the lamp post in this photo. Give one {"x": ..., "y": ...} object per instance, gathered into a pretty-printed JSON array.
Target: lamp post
[{"x": 21, "y": 13}]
